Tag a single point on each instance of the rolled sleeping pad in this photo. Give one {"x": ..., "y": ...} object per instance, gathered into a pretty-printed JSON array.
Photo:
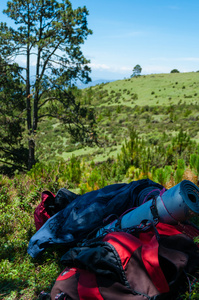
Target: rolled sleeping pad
[{"x": 175, "y": 205}]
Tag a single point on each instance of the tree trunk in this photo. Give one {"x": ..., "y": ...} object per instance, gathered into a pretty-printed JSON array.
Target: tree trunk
[
  {"x": 31, "y": 143},
  {"x": 31, "y": 154}
]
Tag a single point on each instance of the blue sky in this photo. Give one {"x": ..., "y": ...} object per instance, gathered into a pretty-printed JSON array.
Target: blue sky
[{"x": 158, "y": 35}]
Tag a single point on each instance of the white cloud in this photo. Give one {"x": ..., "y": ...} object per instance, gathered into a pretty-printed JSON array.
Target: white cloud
[
  {"x": 21, "y": 60},
  {"x": 99, "y": 66},
  {"x": 110, "y": 68}
]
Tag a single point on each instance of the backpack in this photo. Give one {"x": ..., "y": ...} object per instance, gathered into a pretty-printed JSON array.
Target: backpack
[
  {"x": 40, "y": 214},
  {"x": 150, "y": 264},
  {"x": 51, "y": 204}
]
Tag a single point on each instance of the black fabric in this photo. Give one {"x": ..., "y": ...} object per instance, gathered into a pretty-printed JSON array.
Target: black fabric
[
  {"x": 54, "y": 204},
  {"x": 100, "y": 258},
  {"x": 63, "y": 198},
  {"x": 184, "y": 244},
  {"x": 87, "y": 212},
  {"x": 49, "y": 203}
]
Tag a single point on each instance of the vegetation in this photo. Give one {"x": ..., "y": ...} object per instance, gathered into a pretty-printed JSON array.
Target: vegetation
[
  {"x": 23, "y": 277},
  {"x": 51, "y": 33},
  {"x": 175, "y": 71}
]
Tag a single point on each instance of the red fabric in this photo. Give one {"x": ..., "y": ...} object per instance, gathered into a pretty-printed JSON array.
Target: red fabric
[
  {"x": 124, "y": 243},
  {"x": 151, "y": 263},
  {"x": 40, "y": 214},
  {"x": 87, "y": 286},
  {"x": 167, "y": 229},
  {"x": 67, "y": 273}
]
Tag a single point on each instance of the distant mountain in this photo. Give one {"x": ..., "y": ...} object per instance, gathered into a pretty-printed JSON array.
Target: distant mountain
[{"x": 81, "y": 85}]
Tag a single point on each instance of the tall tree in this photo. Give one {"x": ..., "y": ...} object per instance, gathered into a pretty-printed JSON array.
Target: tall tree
[
  {"x": 49, "y": 35},
  {"x": 13, "y": 154}
]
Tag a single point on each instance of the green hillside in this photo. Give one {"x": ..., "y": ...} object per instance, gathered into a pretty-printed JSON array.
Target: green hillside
[{"x": 155, "y": 105}]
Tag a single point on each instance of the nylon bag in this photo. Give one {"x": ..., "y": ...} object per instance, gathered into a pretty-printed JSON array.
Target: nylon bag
[
  {"x": 41, "y": 214},
  {"x": 51, "y": 204},
  {"x": 150, "y": 264}
]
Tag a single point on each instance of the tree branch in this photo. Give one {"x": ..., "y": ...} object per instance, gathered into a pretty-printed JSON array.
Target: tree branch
[
  {"x": 20, "y": 167},
  {"x": 45, "y": 101}
]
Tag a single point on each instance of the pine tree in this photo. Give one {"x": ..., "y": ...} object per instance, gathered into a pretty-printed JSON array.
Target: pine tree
[{"x": 48, "y": 34}]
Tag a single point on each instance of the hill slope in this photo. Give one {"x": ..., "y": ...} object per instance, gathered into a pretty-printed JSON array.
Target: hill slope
[{"x": 156, "y": 106}]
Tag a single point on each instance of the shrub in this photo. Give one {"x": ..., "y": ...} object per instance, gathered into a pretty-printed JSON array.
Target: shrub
[
  {"x": 94, "y": 181},
  {"x": 187, "y": 113},
  {"x": 118, "y": 109},
  {"x": 194, "y": 162},
  {"x": 175, "y": 71},
  {"x": 162, "y": 175},
  {"x": 181, "y": 164},
  {"x": 178, "y": 175},
  {"x": 134, "y": 96}
]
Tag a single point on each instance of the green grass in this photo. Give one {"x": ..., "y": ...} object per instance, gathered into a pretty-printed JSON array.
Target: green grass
[{"x": 175, "y": 86}]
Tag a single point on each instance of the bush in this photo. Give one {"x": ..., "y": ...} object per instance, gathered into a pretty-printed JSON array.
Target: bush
[
  {"x": 181, "y": 164},
  {"x": 194, "y": 162},
  {"x": 178, "y": 175},
  {"x": 134, "y": 96},
  {"x": 162, "y": 175},
  {"x": 175, "y": 71}
]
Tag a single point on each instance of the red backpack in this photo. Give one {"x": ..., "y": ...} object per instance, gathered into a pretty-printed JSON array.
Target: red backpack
[
  {"x": 150, "y": 264},
  {"x": 51, "y": 204},
  {"x": 41, "y": 215}
]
